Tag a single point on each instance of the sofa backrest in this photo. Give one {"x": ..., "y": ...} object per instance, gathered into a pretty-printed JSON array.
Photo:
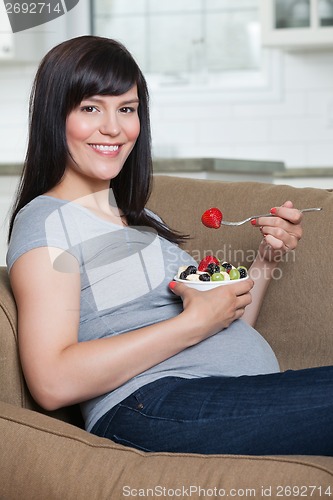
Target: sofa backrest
[{"x": 297, "y": 315}]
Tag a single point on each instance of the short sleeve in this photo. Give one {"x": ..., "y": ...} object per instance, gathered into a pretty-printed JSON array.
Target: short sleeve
[{"x": 41, "y": 223}]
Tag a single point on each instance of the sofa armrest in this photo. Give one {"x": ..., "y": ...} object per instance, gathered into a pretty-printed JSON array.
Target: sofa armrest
[{"x": 13, "y": 389}]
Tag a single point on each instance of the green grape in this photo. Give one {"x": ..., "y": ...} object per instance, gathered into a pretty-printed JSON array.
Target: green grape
[
  {"x": 234, "y": 274},
  {"x": 217, "y": 277}
]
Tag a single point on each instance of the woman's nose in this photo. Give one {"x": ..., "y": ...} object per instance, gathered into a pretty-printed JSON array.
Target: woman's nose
[{"x": 110, "y": 124}]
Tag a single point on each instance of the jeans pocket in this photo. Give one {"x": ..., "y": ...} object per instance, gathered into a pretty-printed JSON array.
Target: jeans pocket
[
  {"x": 101, "y": 428},
  {"x": 149, "y": 394}
]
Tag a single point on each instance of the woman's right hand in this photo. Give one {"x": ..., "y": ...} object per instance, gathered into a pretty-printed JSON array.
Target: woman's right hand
[{"x": 213, "y": 310}]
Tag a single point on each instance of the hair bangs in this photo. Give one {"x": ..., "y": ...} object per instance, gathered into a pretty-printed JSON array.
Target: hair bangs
[{"x": 106, "y": 74}]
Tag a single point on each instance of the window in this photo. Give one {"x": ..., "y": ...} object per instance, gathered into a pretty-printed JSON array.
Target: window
[{"x": 184, "y": 38}]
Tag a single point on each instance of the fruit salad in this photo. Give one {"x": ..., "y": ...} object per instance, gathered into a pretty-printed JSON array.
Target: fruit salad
[{"x": 210, "y": 269}]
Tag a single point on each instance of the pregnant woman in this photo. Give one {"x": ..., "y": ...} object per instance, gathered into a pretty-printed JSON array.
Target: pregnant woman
[{"x": 149, "y": 369}]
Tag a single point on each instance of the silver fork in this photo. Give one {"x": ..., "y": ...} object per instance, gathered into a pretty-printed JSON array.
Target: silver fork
[{"x": 239, "y": 223}]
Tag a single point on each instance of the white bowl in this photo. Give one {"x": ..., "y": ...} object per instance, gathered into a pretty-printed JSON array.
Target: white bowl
[{"x": 208, "y": 285}]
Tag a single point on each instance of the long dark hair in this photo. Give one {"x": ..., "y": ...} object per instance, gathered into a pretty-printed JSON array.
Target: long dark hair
[{"x": 71, "y": 72}]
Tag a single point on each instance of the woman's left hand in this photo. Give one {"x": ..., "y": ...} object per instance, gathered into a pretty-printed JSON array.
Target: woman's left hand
[{"x": 281, "y": 233}]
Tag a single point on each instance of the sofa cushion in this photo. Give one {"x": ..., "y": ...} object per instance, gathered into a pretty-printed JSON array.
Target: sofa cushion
[{"x": 50, "y": 459}]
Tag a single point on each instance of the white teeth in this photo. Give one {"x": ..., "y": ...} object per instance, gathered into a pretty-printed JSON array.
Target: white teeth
[{"x": 101, "y": 147}]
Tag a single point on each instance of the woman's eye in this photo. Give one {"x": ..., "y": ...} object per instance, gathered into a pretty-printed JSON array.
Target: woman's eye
[
  {"x": 127, "y": 109},
  {"x": 89, "y": 109}
]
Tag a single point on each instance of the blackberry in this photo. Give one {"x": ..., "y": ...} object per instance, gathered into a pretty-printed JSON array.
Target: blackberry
[
  {"x": 190, "y": 270},
  {"x": 242, "y": 272},
  {"x": 204, "y": 277},
  {"x": 213, "y": 268},
  {"x": 227, "y": 266}
]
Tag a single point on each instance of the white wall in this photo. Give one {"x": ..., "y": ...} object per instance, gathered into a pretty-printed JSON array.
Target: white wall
[
  {"x": 16, "y": 78},
  {"x": 285, "y": 115},
  {"x": 7, "y": 190},
  {"x": 288, "y": 116}
]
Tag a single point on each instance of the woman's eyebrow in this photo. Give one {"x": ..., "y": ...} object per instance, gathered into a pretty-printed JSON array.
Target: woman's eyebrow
[{"x": 134, "y": 100}]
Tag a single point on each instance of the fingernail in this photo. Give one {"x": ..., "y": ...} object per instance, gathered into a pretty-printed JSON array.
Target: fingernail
[
  {"x": 273, "y": 211},
  {"x": 253, "y": 222},
  {"x": 172, "y": 285}
]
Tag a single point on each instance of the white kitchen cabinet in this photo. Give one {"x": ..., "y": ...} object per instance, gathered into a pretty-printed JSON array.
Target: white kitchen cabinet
[
  {"x": 297, "y": 24},
  {"x": 6, "y": 35},
  {"x": 30, "y": 45},
  {"x": 21, "y": 47},
  {"x": 26, "y": 46}
]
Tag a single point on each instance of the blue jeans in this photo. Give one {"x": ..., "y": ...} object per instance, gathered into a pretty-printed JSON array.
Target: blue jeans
[{"x": 282, "y": 413}]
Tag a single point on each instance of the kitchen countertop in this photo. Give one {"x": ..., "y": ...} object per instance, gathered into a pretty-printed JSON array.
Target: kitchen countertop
[{"x": 269, "y": 169}]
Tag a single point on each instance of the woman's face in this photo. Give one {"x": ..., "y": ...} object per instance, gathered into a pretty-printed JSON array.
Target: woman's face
[{"x": 101, "y": 132}]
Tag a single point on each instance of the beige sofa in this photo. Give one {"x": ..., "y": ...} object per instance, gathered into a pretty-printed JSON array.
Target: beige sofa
[{"x": 50, "y": 457}]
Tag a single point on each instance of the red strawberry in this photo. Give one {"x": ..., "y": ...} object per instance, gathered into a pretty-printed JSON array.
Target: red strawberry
[
  {"x": 212, "y": 218},
  {"x": 207, "y": 260}
]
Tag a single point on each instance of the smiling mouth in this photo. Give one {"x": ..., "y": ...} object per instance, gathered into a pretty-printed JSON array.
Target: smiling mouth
[{"x": 104, "y": 147}]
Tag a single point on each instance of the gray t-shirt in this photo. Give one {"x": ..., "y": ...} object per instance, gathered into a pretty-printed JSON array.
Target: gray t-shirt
[{"x": 125, "y": 272}]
